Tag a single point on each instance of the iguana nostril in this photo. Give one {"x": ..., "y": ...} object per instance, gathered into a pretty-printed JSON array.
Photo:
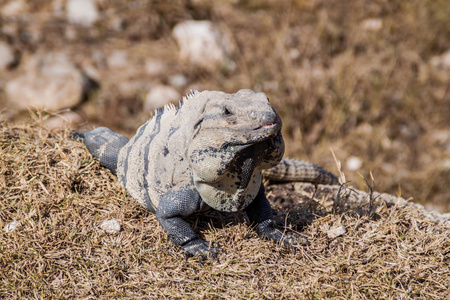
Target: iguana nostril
[
  {"x": 263, "y": 117},
  {"x": 267, "y": 118}
]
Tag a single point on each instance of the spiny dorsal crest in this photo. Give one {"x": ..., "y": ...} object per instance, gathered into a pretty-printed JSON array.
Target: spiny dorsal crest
[{"x": 171, "y": 108}]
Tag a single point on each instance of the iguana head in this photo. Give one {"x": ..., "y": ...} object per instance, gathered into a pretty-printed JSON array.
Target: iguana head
[{"x": 234, "y": 137}]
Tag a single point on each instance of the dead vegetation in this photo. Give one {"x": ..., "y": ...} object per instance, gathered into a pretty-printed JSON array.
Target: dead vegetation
[{"x": 59, "y": 196}]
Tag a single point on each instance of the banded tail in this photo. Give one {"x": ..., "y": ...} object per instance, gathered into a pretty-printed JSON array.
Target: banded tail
[
  {"x": 295, "y": 170},
  {"x": 104, "y": 145}
]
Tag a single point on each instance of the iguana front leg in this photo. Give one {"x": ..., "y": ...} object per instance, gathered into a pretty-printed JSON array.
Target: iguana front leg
[
  {"x": 260, "y": 215},
  {"x": 178, "y": 203}
]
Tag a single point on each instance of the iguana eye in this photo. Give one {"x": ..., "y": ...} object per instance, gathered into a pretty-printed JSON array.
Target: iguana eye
[{"x": 227, "y": 112}]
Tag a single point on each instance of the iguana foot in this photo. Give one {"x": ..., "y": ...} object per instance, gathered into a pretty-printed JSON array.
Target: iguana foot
[
  {"x": 266, "y": 231},
  {"x": 201, "y": 248},
  {"x": 77, "y": 136}
]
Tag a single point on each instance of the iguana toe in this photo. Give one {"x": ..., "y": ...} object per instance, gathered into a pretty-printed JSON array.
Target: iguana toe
[{"x": 202, "y": 249}]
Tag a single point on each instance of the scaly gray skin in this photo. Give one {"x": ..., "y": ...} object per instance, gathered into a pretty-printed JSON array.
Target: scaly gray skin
[
  {"x": 293, "y": 170},
  {"x": 207, "y": 153}
]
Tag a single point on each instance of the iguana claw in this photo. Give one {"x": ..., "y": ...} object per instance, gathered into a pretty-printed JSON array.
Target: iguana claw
[
  {"x": 267, "y": 231},
  {"x": 202, "y": 249}
]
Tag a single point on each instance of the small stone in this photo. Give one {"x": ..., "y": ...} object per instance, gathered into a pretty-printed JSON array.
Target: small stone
[
  {"x": 336, "y": 232},
  {"x": 159, "y": 96},
  {"x": 372, "y": 24},
  {"x": 203, "y": 44},
  {"x": 65, "y": 120},
  {"x": 118, "y": 59},
  {"x": 10, "y": 29},
  {"x": 51, "y": 81},
  {"x": 7, "y": 56},
  {"x": 111, "y": 226},
  {"x": 294, "y": 53},
  {"x": 154, "y": 67},
  {"x": 446, "y": 164},
  {"x": 11, "y": 226},
  {"x": 82, "y": 12},
  {"x": 178, "y": 80},
  {"x": 354, "y": 163},
  {"x": 441, "y": 61},
  {"x": 14, "y": 8}
]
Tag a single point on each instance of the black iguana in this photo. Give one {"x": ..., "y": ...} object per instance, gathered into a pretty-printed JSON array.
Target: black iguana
[{"x": 209, "y": 152}]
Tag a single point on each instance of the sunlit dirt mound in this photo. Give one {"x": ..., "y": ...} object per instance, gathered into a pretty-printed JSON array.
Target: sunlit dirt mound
[{"x": 54, "y": 198}]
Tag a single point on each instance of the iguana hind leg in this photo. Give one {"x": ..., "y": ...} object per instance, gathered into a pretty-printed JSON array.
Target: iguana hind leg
[{"x": 104, "y": 144}]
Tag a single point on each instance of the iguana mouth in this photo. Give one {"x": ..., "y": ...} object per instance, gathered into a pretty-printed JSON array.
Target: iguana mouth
[
  {"x": 266, "y": 126},
  {"x": 241, "y": 145}
]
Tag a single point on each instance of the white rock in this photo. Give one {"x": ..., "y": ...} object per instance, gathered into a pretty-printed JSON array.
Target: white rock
[
  {"x": 82, "y": 12},
  {"x": 10, "y": 29},
  {"x": 178, "y": 80},
  {"x": 111, "y": 226},
  {"x": 294, "y": 53},
  {"x": 441, "y": 61},
  {"x": 446, "y": 59},
  {"x": 7, "y": 57},
  {"x": 11, "y": 226},
  {"x": 372, "y": 24},
  {"x": 336, "y": 232},
  {"x": 65, "y": 120},
  {"x": 354, "y": 163},
  {"x": 14, "y": 8},
  {"x": 446, "y": 164},
  {"x": 159, "y": 96},
  {"x": 203, "y": 44},
  {"x": 118, "y": 59},
  {"x": 51, "y": 82},
  {"x": 154, "y": 67}
]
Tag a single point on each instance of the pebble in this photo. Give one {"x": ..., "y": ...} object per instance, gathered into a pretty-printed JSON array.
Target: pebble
[
  {"x": 336, "y": 232},
  {"x": 203, "y": 44},
  {"x": 82, "y": 12},
  {"x": 117, "y": 59},
  {"x": 14, "y": 8},
  {"x": 154, "y": 67},
  {"x": 441, "y": 61},
  {"x": 111, "y": 226},
  {"x": 372, "y": 24},
  {"x": 7, "y": 56},
  {"x": 11, "y": 226},
  {"x": 178, "y": 80},
  {"x": 353, "y": 163}
]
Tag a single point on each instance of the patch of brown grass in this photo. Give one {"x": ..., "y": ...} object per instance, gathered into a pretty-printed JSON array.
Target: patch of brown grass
[{"x": 60, "y": 195}]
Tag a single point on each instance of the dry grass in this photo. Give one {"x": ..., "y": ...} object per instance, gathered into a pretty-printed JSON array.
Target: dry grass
[{"x": 60, "y": 195}]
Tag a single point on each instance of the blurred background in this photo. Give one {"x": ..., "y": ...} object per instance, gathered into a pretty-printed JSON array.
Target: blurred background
[{"x": 368, "y": 79}]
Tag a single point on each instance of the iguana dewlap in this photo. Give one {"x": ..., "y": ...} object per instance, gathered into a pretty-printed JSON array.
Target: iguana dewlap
[{"x": 210, "y": 152}]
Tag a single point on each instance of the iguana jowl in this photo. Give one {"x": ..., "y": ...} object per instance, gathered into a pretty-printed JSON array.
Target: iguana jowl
[{"x": 210, "y": 152}]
